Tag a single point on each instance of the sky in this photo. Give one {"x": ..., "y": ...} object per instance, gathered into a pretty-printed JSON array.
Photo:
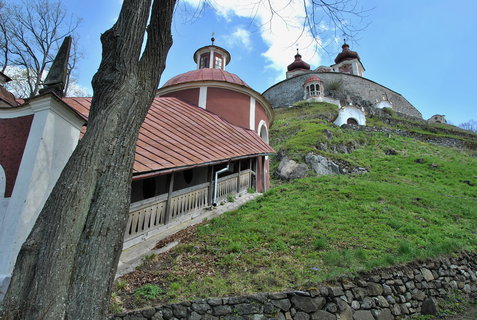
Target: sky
[{"x": 420, "y": 49}]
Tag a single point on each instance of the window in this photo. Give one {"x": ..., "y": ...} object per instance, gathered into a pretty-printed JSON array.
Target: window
[
  {"x": 218, "y": 63},
  {"x": 312, "y": 90},
  {"x": 204, "y": 61}
]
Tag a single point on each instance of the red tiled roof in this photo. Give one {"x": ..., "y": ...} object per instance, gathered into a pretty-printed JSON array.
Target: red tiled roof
[
  {"x": 206, "y": 74},
  {"x": 177, "y": 134},
  {"x": 312, "y": 78}
]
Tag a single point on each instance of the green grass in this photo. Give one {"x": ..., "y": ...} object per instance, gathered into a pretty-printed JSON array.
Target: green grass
[{"x": 315, "y": 229}]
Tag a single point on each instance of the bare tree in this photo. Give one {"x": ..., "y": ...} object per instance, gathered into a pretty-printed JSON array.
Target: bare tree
[
  {"x": 66, "y": 267},
  {"x": 470, "y": 125},
  {"x": 30, "y": 34}
]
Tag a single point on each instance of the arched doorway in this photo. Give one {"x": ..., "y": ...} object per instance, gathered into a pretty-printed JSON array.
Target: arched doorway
[{"x": 352, "y": 121}]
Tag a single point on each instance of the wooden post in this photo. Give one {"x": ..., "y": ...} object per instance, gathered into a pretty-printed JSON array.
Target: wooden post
[
  {"x": 253, "y": 177},
  {"x": 169, "y": 199},
  {"x": 238, "y": 177},
  {"x": 211, "y": 185}
]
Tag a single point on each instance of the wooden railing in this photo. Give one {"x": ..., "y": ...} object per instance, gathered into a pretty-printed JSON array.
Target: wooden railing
[
  {"x": 150, "y": 214},
  {"x": 189, "y": 200},
  {"x": 146, "y": 215}
]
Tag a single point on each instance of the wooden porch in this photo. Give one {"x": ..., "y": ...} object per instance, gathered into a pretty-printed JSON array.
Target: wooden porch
[{"x": 147, "y": 216}]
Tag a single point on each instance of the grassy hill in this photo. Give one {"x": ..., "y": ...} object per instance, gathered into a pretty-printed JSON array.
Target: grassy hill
[{"x": 417, "y": 201}]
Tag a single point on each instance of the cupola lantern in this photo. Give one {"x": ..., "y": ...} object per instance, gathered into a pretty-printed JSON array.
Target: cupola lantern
[{"x": 212, "y": 56}]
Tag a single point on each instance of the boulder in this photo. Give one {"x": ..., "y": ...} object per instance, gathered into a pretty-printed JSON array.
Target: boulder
[
  {"x": 321, "y": 165},
  {"x": 290, "y": 169},
  {"x": 429, "y": 307}
]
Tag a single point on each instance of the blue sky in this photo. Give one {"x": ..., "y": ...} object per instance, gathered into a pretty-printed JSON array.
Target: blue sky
[{"x": 420, "y": 49}]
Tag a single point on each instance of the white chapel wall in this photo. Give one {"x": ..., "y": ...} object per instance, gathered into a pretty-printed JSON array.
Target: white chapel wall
[{"x": 53, "y": 136}]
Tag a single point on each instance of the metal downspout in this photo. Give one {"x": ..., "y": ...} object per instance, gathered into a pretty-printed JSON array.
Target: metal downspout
[{"x": 216, "y": 182}]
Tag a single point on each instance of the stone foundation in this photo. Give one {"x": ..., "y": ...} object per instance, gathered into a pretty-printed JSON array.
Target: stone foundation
[{"x": 382, "y": 294}]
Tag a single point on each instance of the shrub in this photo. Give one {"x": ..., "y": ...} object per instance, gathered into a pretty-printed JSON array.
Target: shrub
[
  {"x": 334, "y": 85},
  {"x": 148, "y": 291},
  {"x": 121, "y": 284},
  {"x": 389, "y": 111},
  {"x": 320, "y": 243}
]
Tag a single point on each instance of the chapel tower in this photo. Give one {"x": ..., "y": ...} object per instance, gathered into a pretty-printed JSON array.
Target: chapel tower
[{"x": 348, "y": 61}]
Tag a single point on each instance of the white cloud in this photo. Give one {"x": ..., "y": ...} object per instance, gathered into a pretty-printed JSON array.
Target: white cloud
[
  {"x": 282, "y": 30},
  {"x": 240, "y": 38}
]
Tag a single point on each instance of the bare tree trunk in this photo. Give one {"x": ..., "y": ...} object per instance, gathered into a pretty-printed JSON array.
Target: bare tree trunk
[{"x": 66, "y": 267}]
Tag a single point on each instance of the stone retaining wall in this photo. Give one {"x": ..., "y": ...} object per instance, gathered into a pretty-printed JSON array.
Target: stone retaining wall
[
  {"x": 356, "y": 88},
  {"x": 383, "y": 294}
]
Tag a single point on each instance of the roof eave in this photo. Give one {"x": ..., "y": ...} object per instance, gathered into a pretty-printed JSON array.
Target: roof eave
[{"x": 155, "y": 173}]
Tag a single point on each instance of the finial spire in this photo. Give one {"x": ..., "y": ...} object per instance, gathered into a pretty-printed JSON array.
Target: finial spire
[
  {"x": 56, "y": 78},
  {"x": 212, "y": 39}
]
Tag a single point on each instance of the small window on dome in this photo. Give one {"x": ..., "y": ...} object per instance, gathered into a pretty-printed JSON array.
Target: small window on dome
[
  {"x": 218, "y": 63},
  {"x": 204, "y": 61}
]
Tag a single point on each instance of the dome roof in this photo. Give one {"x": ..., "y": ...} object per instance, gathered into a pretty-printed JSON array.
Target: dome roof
[
  {"x": 346, "y": 54},
  {"x": 298, "y": 64},
  {"x": 206, "y": 74},
  {"x": 313, "y": 78}
]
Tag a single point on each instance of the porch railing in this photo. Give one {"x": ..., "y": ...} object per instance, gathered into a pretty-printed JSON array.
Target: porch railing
[{"x": 149, "y": 214}]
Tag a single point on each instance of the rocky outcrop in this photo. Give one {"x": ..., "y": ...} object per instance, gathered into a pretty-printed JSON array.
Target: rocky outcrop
[
  {"x": 315, "y": 164},
  {"x": 382, "y": 294},
  {"x": 321, "y": 165}
]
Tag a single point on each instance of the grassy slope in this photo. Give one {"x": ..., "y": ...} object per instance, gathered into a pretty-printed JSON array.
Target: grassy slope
[{"x": 318, "y": 228}]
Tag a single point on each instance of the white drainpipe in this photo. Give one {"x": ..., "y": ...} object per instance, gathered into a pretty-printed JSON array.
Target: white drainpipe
[{"x": 214, "y": 202}]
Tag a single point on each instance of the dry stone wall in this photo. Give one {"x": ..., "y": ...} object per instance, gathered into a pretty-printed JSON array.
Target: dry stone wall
[{"x": 383, "y": 294}]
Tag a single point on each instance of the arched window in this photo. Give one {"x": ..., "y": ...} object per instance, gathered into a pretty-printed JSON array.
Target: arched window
[
  {"x": 263, "y": 131},
  {"x": 312, "y": 90}
]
